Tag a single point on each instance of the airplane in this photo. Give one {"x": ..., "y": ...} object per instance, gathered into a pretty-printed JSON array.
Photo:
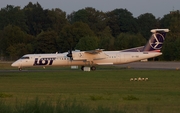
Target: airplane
[{"x": 89, "y": 59}]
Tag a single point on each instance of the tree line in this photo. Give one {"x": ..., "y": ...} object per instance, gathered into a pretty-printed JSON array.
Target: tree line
[{"x": 33, "y": 29}]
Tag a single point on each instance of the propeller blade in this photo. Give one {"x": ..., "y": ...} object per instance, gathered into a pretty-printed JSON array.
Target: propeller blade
[{"x": 70, "y": 54}]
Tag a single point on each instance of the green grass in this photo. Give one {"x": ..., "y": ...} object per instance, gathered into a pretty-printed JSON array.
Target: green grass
[
  {"x": 108, "y": 89},
  {"x": 5, "y": 65}
]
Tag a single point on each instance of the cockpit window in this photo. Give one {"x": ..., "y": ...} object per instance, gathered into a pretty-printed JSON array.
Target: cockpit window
[{"x": 25, "y": 57}]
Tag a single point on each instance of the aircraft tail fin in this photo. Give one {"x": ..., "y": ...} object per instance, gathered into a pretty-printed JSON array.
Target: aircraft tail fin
[{"x": 156, "y": 40}]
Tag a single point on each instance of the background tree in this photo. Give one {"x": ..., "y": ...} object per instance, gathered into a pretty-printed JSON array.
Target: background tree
[
  {"x": 121, "y": 21},
  {"x": 46, "y": 42},
  {"x": 87, "y": 43},
  {"x": 97, "y": 20},
  {"x": 17, "y": 50},
  {"x": 11, "y": 15},
  {"x": 79, "y": 16},
  {"x": 37, "y": 20},
  {"x": 146, "y": 22},
  {"x": 106, "y": 40},
  {"x": 29, "y": 28},
  {"x": 171, "y": 46},
  {"x": 165, "y": 21},
  {"x": 57, "y": 18},
  {"x": 71, "y": 34},
  {"x": 14, "y": 39},
  {"x": 126, "y": 40}
]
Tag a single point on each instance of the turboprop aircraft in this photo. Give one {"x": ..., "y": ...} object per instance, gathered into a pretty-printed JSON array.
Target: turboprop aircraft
[{"x": 89, "y": 59}]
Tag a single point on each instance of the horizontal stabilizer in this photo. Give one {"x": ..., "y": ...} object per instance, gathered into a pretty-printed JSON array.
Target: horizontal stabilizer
[{"x": 159, "y": 30}]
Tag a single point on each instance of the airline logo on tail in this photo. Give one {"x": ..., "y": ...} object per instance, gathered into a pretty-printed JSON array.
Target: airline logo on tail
[{"x": 157, "y": 41}]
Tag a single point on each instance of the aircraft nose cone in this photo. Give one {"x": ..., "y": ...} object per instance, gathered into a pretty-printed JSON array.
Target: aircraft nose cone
[{"x": 15, "y": 64}]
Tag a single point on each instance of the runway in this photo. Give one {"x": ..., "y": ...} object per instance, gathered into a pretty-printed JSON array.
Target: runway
[
  {"x": 135, "y": 65},
  {"x": 152, "y": 65}
]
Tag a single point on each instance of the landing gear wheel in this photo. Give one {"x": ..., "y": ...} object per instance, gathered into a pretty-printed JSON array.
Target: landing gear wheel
[
  {"x": 20, "y": 69},
  {"x": 93, "y": 68},
  {"x": 82, "y": 68}
]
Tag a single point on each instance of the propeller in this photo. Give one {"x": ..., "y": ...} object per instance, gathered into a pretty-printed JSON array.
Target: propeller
[{"x": 70, "y": 54}]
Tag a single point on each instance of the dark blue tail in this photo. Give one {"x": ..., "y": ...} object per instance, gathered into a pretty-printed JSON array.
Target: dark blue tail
[{"x": 156, "y": 41}]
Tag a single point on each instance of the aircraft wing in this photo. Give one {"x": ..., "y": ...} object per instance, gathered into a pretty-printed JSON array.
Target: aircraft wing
[
  {"x": 89, "y": 55},
  {"x": 94, "y": 51}
]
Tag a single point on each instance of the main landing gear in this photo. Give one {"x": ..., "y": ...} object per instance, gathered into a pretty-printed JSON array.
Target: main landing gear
[
  {"x": 93, "y": 68},
  {"x": 83, "y": 68}
]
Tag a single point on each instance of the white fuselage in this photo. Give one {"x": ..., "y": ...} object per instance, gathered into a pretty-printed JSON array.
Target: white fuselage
[
  {"x": 98, "y": 56},
  {"x": 61, "y": 59}
]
